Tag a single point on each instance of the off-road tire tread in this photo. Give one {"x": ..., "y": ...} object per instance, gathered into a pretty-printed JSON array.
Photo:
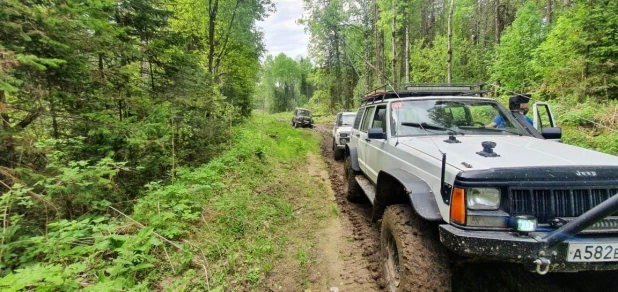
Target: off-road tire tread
[
  {"x": 424, "y": 262},
  {"x": 337, "y": 153},
  {"x": 354, "y": 193}
]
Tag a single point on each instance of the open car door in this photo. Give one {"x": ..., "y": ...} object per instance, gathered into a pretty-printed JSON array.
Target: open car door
[{"x": 544, "y": 121}]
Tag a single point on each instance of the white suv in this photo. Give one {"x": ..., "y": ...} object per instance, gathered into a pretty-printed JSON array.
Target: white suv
[
  {"x": 341, "y": 133},
  {"x": 440, "y": 180}
]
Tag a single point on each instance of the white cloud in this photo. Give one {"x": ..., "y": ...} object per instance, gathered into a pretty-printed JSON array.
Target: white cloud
[{"x": 282, "y": 33}]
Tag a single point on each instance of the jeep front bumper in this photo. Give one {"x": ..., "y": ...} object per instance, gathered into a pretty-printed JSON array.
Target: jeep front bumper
[{"x": 508, "y": 246}]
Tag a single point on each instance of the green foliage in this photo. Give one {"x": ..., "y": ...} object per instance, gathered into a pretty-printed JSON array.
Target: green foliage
[
  {"x": 110, "y": 104},
  {"x": 514, "y": 53},
  {"x": 234, "y": 208},
  {"x": 579, "y": 55},
  {"x": 76, "y": 254},
  {"x": 285, "y": 83},
  {"x": 429, "y": 61}
]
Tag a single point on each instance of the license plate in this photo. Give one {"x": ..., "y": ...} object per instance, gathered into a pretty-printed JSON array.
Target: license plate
[{"x": 585, "y": 252}]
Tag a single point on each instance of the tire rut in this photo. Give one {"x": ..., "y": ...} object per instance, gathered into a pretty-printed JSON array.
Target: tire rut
[{"x": 362, "y": 273}]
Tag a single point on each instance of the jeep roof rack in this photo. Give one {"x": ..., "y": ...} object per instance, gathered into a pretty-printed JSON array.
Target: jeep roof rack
[{"x": 423, "y": 89}]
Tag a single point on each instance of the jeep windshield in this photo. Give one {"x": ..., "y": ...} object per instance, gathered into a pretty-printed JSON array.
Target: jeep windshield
[
  {"x": 463, "y": 116},
  {"x": 304, "y": 113},
  {"x": 347, "y": 120}
]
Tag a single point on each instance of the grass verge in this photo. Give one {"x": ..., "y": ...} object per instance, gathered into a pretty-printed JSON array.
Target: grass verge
[
  {"x": 254, "y": 200},
  {"x": 217, "y": 227}
]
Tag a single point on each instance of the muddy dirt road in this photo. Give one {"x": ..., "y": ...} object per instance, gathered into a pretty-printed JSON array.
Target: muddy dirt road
[
  {"x": 356, "y": 219},
  {"x": 365, "y": 273}
]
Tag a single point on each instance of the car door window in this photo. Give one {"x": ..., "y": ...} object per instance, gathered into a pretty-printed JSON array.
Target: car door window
[
  {"x": 379, "y": 118},
  {"x": 359, "y": 117},
  {"x": 368, "y": 119}
]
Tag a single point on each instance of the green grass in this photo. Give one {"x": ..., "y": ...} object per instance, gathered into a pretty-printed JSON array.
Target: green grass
[
  {"x": 231, "y": 220},
  {"x": 248, "y": 197}
]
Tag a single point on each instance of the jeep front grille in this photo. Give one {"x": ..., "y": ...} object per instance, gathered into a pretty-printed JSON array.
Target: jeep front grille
[{"x": 546, "y": 204}]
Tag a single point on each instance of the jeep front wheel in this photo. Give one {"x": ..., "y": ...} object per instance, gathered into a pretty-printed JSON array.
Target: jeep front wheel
[
  {"x": 354, "y": 192},
  {"x": 414, "y": 259}
]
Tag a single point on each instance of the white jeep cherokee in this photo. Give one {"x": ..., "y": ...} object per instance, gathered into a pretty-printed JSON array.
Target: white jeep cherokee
[
  {"x": 341, "y": 133},
  {"x": 440, "y": 180}
]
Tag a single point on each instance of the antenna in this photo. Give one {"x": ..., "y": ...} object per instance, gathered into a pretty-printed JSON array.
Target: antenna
[{"x": 388, "y": 82}]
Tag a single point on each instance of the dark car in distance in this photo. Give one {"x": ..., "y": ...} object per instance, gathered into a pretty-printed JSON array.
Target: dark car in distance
[{"x": 302, "y": 118}]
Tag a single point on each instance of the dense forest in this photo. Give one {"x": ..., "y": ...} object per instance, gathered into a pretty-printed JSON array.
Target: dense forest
[
  {"x": 102, "y": 104},
  {"x": 558, "y": 49},
  {"x": 285, "y": 83},
  {"x": 129, "y": 155}
]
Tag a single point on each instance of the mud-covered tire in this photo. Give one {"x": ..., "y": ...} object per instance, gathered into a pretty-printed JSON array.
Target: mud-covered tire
[
  {"x": 354, "y": 193},
  {"x": 413, "y": 257},
  {"x": 337, "y": 153},
  {"x": 295, "y": 125}
]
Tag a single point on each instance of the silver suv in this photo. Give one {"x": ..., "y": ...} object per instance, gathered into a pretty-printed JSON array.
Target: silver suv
[
  {"x": 341, "y": 132},
  {"x": 440, "y": 180}
]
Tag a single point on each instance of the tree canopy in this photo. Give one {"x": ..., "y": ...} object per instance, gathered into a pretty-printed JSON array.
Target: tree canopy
[{"x": 559, "y": 49}]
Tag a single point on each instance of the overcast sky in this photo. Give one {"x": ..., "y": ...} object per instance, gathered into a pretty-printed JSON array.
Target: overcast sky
[{"x": 282, "y": 33}]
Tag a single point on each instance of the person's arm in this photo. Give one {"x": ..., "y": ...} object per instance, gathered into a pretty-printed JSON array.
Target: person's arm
[{"x": 497, "y": 121}]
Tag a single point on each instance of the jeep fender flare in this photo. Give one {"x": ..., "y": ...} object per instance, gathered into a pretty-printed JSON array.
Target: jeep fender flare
[
  {"x": 353, "y": 153},
  {"x": 397, "y": 186}
]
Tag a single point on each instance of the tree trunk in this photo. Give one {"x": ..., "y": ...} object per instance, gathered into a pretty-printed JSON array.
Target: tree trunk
[
  {"x": 7, "y": 145},
  {"x": 367, "y": 69},
  {"x": 449, "y": 61},
  {"x": 477, "y": 24},
  {"x": 212, "y": 17},
  {"x": 407, "y": 53},
  {"x": 497, "y": 22},
  {"x": 376, "y": 17},
  {"x": 394, "y": 44},
  {"x": 549, "y": 11},
  {"x": 152, "y": 81},
  {"x": 382, "y": 58},
  {"x": 4, "y": 116}
]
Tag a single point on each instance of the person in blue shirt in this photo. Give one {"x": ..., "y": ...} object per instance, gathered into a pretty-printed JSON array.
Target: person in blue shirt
[{"x": 499, "y": 120}]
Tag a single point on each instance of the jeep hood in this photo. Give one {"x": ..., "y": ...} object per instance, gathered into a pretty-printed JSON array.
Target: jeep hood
[{"x": 514, "y": 151}]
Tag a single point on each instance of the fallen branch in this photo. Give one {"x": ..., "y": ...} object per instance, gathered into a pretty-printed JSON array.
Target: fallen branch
[
  {"x": 32, "y": 194},
  {"x": 143, "y": 226},
  {"x": 169, "y": 259}
]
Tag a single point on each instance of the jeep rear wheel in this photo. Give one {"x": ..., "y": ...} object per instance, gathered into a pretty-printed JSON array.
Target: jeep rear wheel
[
  {"x": 414, "y": 259},
  {"x": 354, "y": 192}
]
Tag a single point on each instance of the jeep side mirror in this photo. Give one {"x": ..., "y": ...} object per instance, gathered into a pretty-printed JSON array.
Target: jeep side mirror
[
  {"x": 376, "y": 133},
  {"x": 552, "y": 133}
]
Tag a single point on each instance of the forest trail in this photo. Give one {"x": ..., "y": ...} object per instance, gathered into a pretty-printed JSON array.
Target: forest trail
[{"x": 340, "y": 254}]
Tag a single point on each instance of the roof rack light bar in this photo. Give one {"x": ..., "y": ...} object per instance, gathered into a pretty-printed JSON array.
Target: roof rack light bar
[{"x": 423, "y": 89}]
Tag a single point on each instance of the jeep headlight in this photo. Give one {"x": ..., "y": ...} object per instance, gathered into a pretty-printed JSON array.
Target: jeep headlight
[
  {"x": 343, "y": 135},
  {"x": 483, "y": 198}
]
